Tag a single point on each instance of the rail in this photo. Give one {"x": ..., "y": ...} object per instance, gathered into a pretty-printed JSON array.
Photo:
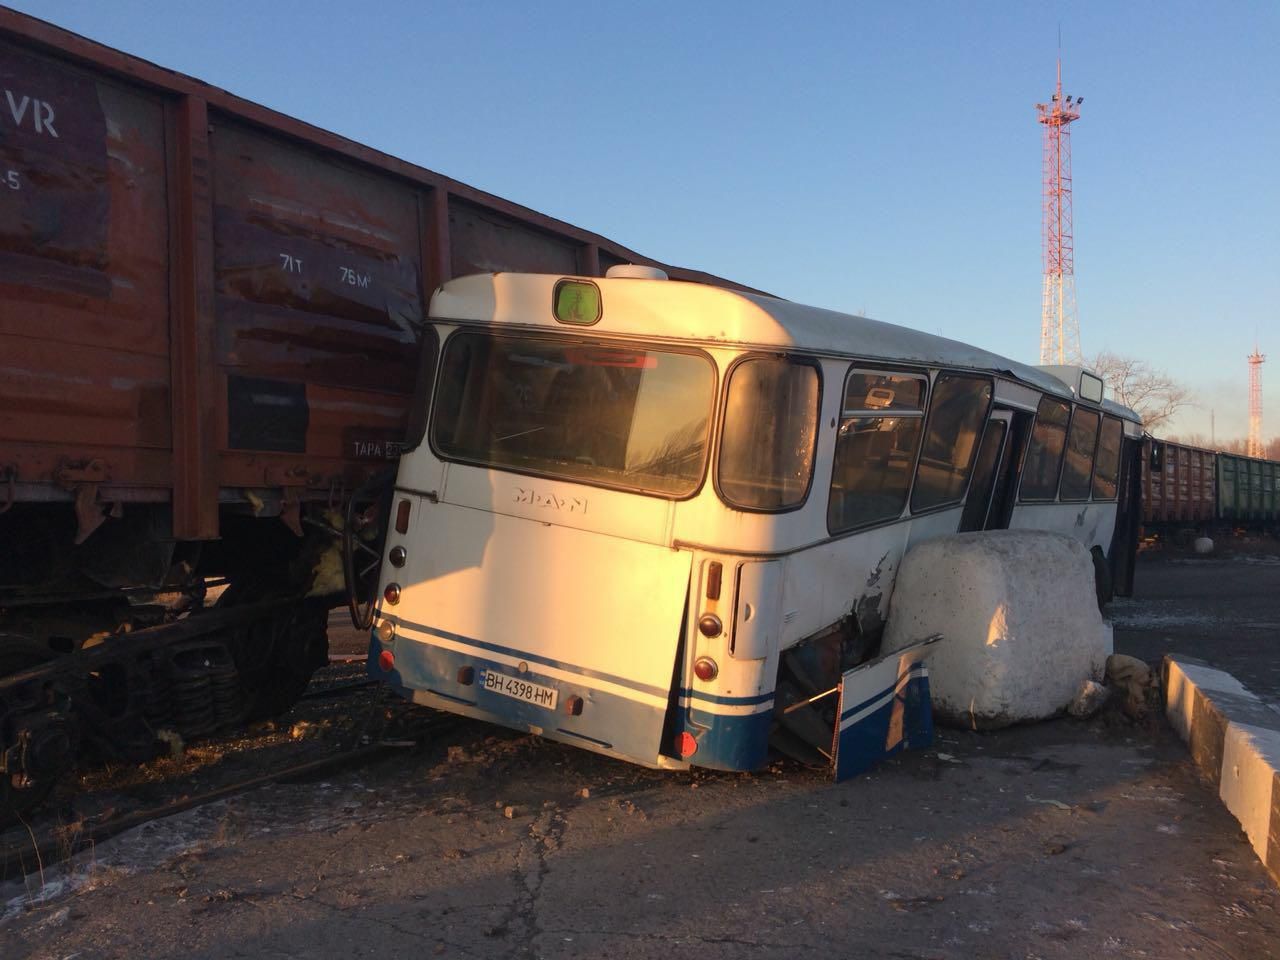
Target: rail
[{"x": 55, "y": 844}]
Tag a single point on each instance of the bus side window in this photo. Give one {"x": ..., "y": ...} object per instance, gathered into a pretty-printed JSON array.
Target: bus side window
[
  {"x": 957, "y": 413},
  {"x": 1106, "y": 468},
  {"x": 1044, "y": 456},
  {"x": 770, "y": 428},
  {"x": 462, "y": 394},
  {"x": 416, "y": 428},
  {"x": 1078, "y": 467},
  {"x": 876, "y": 446}
]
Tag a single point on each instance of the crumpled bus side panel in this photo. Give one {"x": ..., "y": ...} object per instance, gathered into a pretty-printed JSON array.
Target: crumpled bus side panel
[{"x": 884, "y": 708}]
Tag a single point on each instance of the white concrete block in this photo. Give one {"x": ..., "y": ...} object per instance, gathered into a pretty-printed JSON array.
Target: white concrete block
[
  {"x": 1250, "y": 758},
  {"x": 1234, "y": 738},
  {"x": 1179, "y": 699},
  {"x": 1019, "y": 619},
  {"x": 1213, "y": 680}
]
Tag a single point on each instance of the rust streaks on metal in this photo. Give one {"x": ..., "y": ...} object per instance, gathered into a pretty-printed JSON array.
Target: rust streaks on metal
[{"x": 197, "y": 289}]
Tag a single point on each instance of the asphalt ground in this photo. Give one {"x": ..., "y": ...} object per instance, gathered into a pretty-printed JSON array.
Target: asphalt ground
[
  {"x": 1223, "y": 608},
  {"x": 1055, "y": 840}
]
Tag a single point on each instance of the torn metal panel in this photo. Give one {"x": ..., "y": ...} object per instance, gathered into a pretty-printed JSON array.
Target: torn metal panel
[{"x": 883, "y": 708}]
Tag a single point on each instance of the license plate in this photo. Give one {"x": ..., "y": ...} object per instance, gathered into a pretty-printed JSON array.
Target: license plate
[{"x": 518, "y": 689}]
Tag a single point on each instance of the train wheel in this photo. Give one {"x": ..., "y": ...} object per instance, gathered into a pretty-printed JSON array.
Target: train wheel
[{"x": 23, "y": 791}]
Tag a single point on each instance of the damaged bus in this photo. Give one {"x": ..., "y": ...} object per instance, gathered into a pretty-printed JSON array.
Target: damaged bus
[{"x": 662, "y": 521}]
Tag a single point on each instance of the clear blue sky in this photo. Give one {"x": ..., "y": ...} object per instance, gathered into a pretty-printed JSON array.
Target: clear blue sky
[{"x": 871, "y": 158}]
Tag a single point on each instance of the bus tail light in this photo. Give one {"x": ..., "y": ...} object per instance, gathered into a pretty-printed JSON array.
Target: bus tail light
[
  {"x": 402, "y": 517},
  {"x": 387, "y": 661},
  {"x": 385, "y": 631},
  {"x": 392, "y": 593},
  {"x": 715, "y": 572},
  {"x": 686, "y": 746},
  {"x": 704, "y": 668},
  {"x": 709, "y": 625}
]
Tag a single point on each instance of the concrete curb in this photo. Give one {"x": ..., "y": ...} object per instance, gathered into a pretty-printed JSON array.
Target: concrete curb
[{"x": 1234, "y": 739}]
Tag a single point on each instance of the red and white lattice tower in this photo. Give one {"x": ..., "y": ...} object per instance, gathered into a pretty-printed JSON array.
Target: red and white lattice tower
[
  {"x": 1059, "y": 328},
  {"x": 1256, "y": 361}
]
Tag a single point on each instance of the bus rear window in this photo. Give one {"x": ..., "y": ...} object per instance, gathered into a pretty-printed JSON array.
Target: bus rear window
[
  {"x": 614, "y": 415},
  {"x": 770, "y": 424},
  {"x": 1044, "y": 456}
]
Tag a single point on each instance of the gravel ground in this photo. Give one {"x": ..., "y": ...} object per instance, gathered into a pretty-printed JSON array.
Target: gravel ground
[{"x": 1058, "y": 840}]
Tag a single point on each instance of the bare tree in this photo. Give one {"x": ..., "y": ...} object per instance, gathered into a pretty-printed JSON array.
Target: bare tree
[{"x": 1152, "y": 394}]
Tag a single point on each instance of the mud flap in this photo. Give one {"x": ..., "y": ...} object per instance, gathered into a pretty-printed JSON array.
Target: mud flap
[{"x": 883, "y": 708}]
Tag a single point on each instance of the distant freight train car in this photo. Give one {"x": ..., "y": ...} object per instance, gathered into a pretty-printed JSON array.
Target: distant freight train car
[
  {"x": 210, "y": 321},
  {"x": 1248, "y": 491},
  {"x": 1178, "y": 486},
  {"x": 1188, "y": 488}
]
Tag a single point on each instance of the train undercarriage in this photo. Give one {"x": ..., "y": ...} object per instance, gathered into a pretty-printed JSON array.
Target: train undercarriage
[{"x": 128, "y": 643}]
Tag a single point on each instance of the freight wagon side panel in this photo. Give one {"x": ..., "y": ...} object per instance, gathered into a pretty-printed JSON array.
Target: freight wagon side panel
[
  {"x": 1226, "y": 487},
  {"x": 1152, "y": 490},
  {"x": 1181, "y": 488},
  {"x": 319, "y": 307},
  {"x": 1267, "y": 481},
  {"x": 1248, "y": 489},
  {"x": 84, "y": 281},
  {"x": 486, "y": 241},
  {"x": 1262, "y": 490},
  {"x": 1200, "y": 487}
]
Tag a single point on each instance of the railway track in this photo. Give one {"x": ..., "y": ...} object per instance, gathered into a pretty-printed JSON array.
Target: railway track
[
  {"x": 340, "y": 689},
  {"x": 52, "y": 844}
]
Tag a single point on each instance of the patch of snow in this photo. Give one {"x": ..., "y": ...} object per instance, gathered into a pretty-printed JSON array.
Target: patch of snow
[
  {"x": 1150, "y": 619},
  {"x": 143, "y": 847},
  {"x": 1165, "y": 614},
  {"x": 1254, "y": 559}
]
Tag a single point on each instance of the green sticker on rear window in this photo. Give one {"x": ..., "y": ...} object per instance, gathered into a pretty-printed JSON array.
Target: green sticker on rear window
[{"x": 577, "y": 302}]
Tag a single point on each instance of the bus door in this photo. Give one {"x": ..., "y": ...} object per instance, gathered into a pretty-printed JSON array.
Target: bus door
[
  {"x": 1124, "y": 538},
  {"x": 1005, "y": 493},
  {"x": 988, "y": 472}
]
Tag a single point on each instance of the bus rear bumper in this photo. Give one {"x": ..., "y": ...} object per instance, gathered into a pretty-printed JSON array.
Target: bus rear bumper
[
  {"x": 730, "y": 741},
  {"x": 627, "y": 724}
]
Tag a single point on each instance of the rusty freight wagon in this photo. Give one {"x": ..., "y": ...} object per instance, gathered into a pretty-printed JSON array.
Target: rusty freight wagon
[
  {"x": 210, "y": 316},
  {"x": 1187, "y": 489},
  {"x": 1178, "y": 485}
]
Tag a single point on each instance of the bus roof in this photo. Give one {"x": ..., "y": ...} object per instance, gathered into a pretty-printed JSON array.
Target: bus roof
[{"x": 677, "y": 310}]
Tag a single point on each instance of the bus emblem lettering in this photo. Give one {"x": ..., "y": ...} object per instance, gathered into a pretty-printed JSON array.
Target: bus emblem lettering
[{"x": 535, "y": 499}]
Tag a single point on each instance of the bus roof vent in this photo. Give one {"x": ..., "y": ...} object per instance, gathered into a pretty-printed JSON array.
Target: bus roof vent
[{"x": 634, "y": 271}]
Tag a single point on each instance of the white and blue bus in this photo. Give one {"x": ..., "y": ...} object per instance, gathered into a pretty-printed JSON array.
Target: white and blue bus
[{"x": 662, "y": 520}]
